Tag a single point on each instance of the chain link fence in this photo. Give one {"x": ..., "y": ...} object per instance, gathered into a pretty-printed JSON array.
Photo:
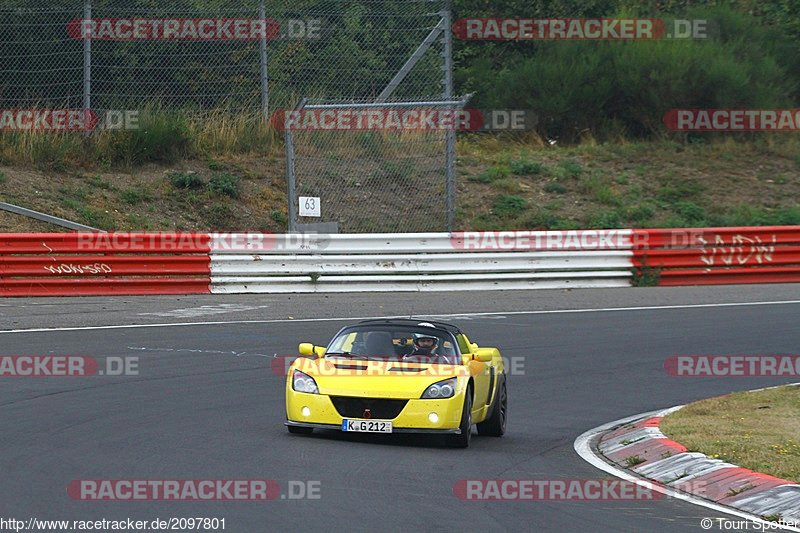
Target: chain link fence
[
  {"x": 327, "y": 51},
  {"x": 371, "y": 181}
]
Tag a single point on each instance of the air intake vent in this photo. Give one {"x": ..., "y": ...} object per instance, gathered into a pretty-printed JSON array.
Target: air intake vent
[{"x": 379, "y": 408}]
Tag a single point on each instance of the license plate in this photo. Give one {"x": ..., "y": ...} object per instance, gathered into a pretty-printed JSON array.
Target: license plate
[{"x": 367, "y": 426}]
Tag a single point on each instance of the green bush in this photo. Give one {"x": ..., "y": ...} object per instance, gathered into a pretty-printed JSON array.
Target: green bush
[
  {"x": 606, "y": 195},
  {"x": 690, "y": 211},
  {"x": 483, "y": 177},
  {"x": 675, "y": 191},
  {"x": 507, "y": 206},
  {"x": 748, "y": 215},
  {"x": 498, "y": 172},
  {"x": 613, "y": 88},
  {"x": 278, "y": 217},
  {"x": 508, "y": 185},
  {"x": 185, "y": 180},
  {"x": 572, "y": 169},
  {"x": 639, "y": 213},
  {"x": 523, "y": 167},
  {"x": 97, "y": 181},
  {"x": 495, "y": 173},
  {"x": 136, "y": 196},
  {"x": 224, "y": 184},
  {"x": 605, "y": 220},
  {"x": 555, "y": 187}
]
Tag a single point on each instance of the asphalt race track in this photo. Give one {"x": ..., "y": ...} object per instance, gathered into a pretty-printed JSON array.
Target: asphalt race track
[{"x": 206, "y": 405}]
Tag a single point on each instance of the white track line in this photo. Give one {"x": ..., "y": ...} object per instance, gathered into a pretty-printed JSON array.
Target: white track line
[
  {"x": 456, "y": 315},
  {"x": 583, "y": 448}
]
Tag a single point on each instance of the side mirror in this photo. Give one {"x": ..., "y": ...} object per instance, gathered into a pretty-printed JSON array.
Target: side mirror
[
  {"x": 306, "y": 348},
  {"x": 487, "y": 354},
  {"x": 473, "y": 347}
]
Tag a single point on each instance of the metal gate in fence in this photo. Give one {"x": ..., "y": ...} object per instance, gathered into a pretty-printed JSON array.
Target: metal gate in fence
[
  {"x": 375, "y": 180},
  {"x": 372, "y": 181}
]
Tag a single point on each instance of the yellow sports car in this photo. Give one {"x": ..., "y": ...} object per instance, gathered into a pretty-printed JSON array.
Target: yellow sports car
[{"x": 398, "y": 376}]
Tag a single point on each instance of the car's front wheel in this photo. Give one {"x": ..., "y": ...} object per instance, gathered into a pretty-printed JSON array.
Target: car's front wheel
[
  {"x": 300, "y": 430},
  {"x": 495, "y": 426},
  {"x": 462, "y": 440}
]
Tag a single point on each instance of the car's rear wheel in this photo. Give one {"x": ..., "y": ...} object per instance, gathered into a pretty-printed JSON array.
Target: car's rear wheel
[
  {"x": 462, "y": 440},
  {"x": 300, "y": 430},
  {"x": 495, "y": 426}
]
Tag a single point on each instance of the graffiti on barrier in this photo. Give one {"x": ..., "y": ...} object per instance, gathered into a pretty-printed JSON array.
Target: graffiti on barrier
[
  {"x": 737, "y": 250},
  {"x": 97, "y": 268}
]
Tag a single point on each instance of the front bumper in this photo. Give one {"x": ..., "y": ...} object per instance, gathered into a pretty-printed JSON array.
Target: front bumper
[
  {"x": 338, "y": 427},
  {"x": 413, "y": 418}
]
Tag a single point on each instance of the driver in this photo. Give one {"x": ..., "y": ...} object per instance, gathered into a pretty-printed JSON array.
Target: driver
[{"x": 425, "y": 345}]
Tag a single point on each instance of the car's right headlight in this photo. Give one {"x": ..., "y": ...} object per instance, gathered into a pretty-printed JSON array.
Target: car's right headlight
[
  {"x": 441, "y": 389},
  {"x": 302, "y": 382}
]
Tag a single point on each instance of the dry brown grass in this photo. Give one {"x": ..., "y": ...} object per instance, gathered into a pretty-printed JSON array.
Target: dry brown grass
[{"x": 755, "y": 430}]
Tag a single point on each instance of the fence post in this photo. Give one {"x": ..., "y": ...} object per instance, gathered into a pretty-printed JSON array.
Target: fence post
[
  {"x": 290, "y": 172},
  {"x": 262, "y": 14},
  {"x": 87, "y": 62},
  {"x": 290, "y": 177},
  {"x": 450, "y": 157}
]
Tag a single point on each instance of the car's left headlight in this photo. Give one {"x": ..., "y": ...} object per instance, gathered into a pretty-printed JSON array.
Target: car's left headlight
[
  {"x": 302, "y": 382},
  {"x": 442, "y": 389}
]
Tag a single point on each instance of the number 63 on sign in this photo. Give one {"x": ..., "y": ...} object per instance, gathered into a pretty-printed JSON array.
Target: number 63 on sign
[{"x": 310, "y": 206}]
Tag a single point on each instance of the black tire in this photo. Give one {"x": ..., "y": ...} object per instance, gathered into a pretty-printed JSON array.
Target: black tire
[
  {"x": 462, "y": 440},
  {"x": 495, "y": 425},
  {"x": 300, "y": 430}
]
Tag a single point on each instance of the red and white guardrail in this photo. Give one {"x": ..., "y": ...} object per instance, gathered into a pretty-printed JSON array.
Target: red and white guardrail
[{"x": 86, "y": 263}]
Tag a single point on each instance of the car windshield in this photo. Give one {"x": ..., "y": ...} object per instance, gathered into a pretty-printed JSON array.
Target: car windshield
[{"x": 385, "y": 342}]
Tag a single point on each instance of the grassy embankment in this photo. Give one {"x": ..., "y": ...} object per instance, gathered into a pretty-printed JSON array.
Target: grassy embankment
[{"x": 229, "y": 173}]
